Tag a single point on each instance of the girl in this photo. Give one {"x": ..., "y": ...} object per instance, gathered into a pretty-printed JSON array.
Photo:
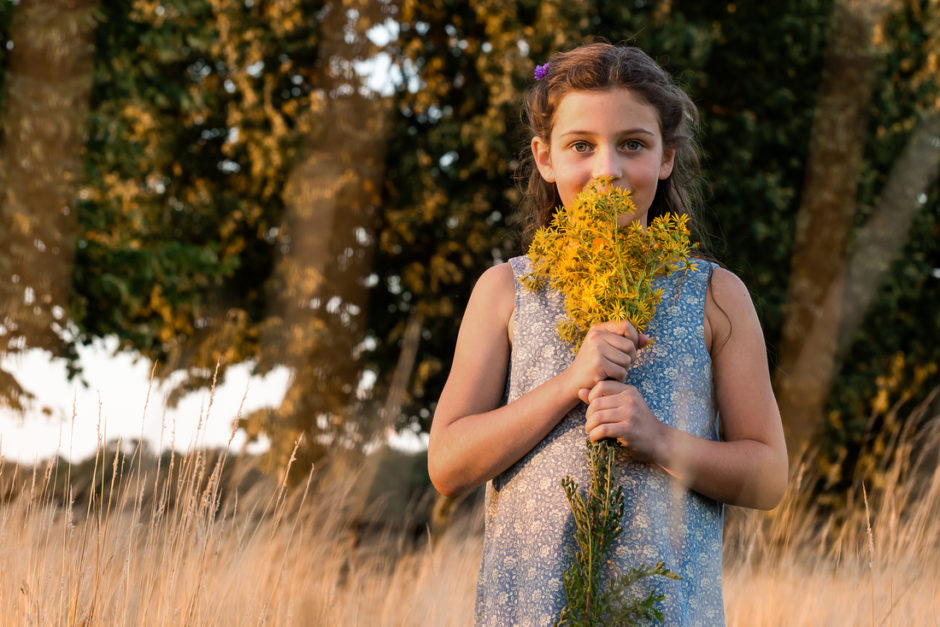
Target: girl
[{"x": 518, "y": 401}]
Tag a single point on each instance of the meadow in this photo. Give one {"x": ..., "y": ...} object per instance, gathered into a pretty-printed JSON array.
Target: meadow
[{"x": 135, "y": 538}]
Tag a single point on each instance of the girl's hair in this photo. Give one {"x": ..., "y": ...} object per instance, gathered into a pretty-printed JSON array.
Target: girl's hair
[{"x": 601, "y": 66}]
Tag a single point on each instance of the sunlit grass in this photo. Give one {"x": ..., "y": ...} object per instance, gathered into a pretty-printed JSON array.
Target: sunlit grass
[
  {"x": 203, "y": 539},
  {"x": 876, "y": 561}
]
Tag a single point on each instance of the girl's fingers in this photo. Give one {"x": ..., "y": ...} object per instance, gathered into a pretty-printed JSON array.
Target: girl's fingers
[
  {"x": 600, "y": 417},
  {"x": 606, "y": 388},
  {"x": 622, "y": 328},
  {"x": 600, "y": 432},
  {"x": 621, "y": 343},
  {"x": 605, "y": 409},
  {"x": 617, "y": 410},
  {"x": 615, "y": 372},
  {"x": 618, "y": 357},
  {"x": 607, "y": 354}
]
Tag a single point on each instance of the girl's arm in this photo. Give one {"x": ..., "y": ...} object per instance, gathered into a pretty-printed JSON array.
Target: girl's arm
[
  {"x": 749, "y": 466},
  {"x": 473, "y": 438}
]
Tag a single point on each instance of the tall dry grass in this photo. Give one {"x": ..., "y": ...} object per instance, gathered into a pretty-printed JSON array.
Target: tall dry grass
[
  {"x": 874, "y": 561},
  {"x": 202, "y": 539}
]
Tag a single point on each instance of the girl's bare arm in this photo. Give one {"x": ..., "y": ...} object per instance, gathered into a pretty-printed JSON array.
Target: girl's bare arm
[
  {"x": 473, "y": 438},
  {"x": 749, "y": 466}
]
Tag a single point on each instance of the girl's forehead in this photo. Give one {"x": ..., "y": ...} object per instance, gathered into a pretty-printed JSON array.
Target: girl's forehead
[{"x": 602, "y": 109}]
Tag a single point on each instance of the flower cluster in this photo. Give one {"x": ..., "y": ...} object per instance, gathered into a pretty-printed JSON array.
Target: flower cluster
[{"x": 605, "y": 271}]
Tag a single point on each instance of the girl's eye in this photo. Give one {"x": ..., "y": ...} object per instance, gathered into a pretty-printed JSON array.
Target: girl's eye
[
  {"x": 581, "y": 146},
  {"x": 633, "y": 145}
]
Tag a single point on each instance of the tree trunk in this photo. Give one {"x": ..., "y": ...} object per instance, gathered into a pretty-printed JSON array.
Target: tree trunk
[
  {"x": 824, "y": 222},
  {"x": 46, "y": 102},
  {"x": 331, "y": 196},
  {"x": 886, "y": 230}
]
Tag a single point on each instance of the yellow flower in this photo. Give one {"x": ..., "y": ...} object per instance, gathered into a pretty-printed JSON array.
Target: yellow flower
[{"x": 604, "y": 271}]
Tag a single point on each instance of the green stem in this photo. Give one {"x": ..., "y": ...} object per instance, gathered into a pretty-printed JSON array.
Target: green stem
[
  {"x": 620, "y": 264},
  {"x": 590, "y": 559}
]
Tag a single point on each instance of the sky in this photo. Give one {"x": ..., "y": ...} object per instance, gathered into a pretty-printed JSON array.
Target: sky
[
  {"x": 120, "y": 402},
  {"x": 115, "y": 404}
]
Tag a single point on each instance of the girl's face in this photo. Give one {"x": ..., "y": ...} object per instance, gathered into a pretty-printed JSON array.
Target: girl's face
[{"x": 605, "y": 133}]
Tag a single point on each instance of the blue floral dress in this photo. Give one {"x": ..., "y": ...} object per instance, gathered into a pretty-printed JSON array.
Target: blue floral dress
[{"x": 528, "y": 542}]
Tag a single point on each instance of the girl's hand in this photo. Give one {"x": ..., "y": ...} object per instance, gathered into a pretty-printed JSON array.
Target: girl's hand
[
  {"x": 617, "y": 410},
  {"x": 608, "y": 350}
]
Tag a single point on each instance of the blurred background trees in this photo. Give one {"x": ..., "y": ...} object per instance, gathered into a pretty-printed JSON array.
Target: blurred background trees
[
  {"x": 318, "y": 184},
  {"x": 46, "y": 83}
]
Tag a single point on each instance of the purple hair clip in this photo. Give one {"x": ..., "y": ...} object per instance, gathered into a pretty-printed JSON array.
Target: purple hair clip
[{"x": 541, "y": 71}]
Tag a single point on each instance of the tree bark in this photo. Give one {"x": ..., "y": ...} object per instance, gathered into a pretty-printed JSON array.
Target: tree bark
[
  {"x": 46, "y": 104},
  {"x": 885, "y": 232},
  {"x": 813, "y": 311},
  {"x": 317, "y": 322}
]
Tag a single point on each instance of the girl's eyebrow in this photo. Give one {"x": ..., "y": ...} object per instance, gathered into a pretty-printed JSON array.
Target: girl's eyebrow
[{"x": 629, "y": 131}]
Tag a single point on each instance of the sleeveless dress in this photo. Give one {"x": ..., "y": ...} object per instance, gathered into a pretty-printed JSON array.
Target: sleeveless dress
[{"x": 528, "y": 539}]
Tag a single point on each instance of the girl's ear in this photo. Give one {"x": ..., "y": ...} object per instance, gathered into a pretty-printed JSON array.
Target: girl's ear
[
  {"x": 665, "y": 167},
  {"x": 543, "y": 159}
]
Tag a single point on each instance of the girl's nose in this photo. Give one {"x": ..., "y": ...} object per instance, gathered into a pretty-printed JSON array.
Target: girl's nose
[{"x": 606, "y": 163}]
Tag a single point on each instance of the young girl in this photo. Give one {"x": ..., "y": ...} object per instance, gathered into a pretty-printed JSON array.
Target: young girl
[{"x": 518, "y": 401}]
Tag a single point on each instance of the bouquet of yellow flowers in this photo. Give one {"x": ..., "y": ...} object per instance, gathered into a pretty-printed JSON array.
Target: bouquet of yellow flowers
[{"x": 605, "y": 271}]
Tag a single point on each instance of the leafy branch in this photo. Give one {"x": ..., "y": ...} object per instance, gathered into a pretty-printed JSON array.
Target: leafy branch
[{"x": 598, "y": 519}]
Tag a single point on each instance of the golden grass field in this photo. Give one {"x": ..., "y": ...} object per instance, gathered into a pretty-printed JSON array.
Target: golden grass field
[{"x": 174, "y": 541}]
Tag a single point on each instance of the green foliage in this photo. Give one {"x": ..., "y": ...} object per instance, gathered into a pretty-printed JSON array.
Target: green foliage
[
  {"x": 756, "y": 89},
  {"x": 216, "y": 125},
  {"x": 594, "y": 594},
  {"x": 201, "y": 111},
  {"x": 448, "y": 195},
  {"x": 901, "y": 325},
  {"x": 196, "y": 111}
]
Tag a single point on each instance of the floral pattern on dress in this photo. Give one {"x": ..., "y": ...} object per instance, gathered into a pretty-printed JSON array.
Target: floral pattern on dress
[{"x": 528, "y": 541}]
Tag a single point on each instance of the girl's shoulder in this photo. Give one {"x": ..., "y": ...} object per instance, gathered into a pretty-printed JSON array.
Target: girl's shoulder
[
  {"x": 496, "y": 289},
  {"x": 492, "y": 304},
  {"x": 498, "y": 278},
  {"x": 726, "y": 287},
  {"x": 728, "y": 307}
]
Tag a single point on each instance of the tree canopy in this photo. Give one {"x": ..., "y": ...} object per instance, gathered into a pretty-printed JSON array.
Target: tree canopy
[{"x": 240, "y": 194}]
